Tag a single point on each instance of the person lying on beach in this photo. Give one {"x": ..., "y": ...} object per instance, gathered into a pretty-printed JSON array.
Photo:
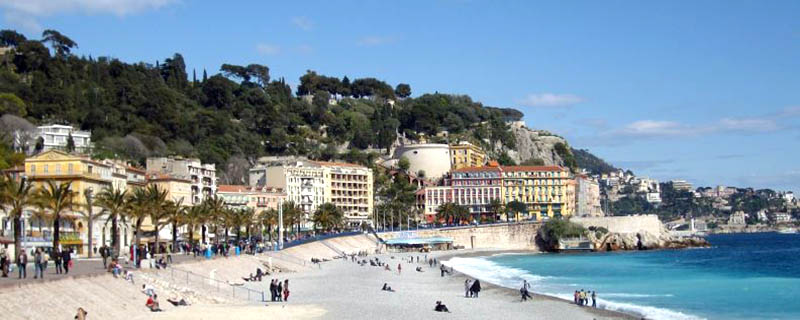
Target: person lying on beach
[
  {"x": 148, "y": 290},
  {"x": 152, "y": 303},
  {"x": 177, "y": 303},
  {"x": 386, "y": 287},
  {"x": 440, "y": 307},
  {"x": 251, "y": 278},
  {"x": 81, "y": 315}
]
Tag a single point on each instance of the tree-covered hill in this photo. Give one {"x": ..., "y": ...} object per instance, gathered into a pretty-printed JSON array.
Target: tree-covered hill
[
  {"x": 136, "y": 110},
  {"x": 592, "y": 163}
]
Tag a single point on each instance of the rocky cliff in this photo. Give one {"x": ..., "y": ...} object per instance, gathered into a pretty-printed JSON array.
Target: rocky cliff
[
  {"x": 535, "y": 144},
  {"x": 633, "y": 233}
]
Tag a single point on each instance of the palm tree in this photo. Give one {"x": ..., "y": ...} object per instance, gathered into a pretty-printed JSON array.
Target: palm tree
[
  {"x": 216, "y": 208},
  {"x": 114, "y": 204},
  {"x": 446, "y": 212},
  {"x": 14, "y": 197},
  {"x": 241, "y": 218},
  {"x": 175, "y": 214},
  {"x": 57, "y": 198},
  {"x": 268, "y": 218},
  {"x": 328, "y": 216},
  {"x": 138, "y": 208},
  {"x": 292, "y": 215},
  {"x": 495, "y": 207},
  {"x": 158, "y": 211},
  {"x": 195, "y": 216}
]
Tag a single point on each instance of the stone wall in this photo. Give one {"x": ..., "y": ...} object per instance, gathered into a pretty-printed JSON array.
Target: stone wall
[
  {"x": 624, "y": 224},
  {"x": 521, "y": 236}
]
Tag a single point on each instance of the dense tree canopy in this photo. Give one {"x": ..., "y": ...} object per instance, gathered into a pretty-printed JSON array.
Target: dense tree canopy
[{"x": 136, "y": 110}]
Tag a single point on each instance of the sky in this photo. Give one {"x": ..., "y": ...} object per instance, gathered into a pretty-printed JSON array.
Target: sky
[{"x": 706, "y": 91}]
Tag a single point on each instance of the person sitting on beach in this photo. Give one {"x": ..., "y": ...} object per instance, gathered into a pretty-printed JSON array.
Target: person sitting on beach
[
  {"x": 259, "y": 274},
  {"x": 177, "y": 303},
  {"x": 152, "y": 303},
  {"x": 386, "y": 287},
  {"x": 129, "y": 276},
  {"x": 81, "y": 315},
  {"x": 440, "y": 307},
  {"x": 387, "y": 268},
  {"x": 419, "y": 269}
]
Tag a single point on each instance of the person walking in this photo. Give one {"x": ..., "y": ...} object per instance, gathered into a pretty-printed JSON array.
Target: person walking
[
  {"x": 4, "y": 260},
  {"x": 65, "y": 260},
  {"x": 104, "y": 254},
  {"x": 279, "y": 290},
  {"x": 22, "y": 263},
  {"x": 467, "y": 287},
  {"x": 58, "y": 261},
  {"x": 594, "y": 299},
  {"x": 524, "y": 290},
  {"x": 575, "y": 296},
  {"x": 399, "y": 268},
  {"x": 476, "y": 288},
  {"x": 37, "y": 264},
  {"x": 286, "y": 290},
  {"x": 272, "y": 289}
]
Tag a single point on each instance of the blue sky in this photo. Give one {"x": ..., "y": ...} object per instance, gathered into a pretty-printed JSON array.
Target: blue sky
[{"x": 707, "y": 91}]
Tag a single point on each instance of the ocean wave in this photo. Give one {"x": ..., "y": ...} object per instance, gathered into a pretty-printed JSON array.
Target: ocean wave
[
  {"x": 509, "y": 277},
  {"x": 636, "y": 295}
]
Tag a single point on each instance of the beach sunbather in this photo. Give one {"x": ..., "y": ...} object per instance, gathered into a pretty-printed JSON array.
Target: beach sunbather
[
  {"x": 152, "y": 303},
  {"x": 440, "y": 307},
  {"x": 176, "y": 302},
  {"x": 386, "y": 287}
]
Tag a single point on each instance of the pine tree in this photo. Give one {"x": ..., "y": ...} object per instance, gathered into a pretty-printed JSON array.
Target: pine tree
[
  {"x": 194, "y": 77},
  {"x": 70, "y": 143},
  {"x": 205, "y": 75}
]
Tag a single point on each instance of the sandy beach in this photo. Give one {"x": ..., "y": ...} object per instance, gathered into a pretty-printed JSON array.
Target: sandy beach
[{"x": 334, "y": 289}]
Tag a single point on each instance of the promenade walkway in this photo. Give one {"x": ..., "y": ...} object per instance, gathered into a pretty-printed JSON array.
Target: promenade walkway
[{"x": 81, "y": 267}]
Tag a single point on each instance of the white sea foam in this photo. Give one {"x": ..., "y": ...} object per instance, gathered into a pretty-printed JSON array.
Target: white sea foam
[{"x": 509, "y": 277}]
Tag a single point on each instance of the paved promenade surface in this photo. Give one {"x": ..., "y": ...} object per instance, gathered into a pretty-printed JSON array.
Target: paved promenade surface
[{"x": 81, "y": 267}]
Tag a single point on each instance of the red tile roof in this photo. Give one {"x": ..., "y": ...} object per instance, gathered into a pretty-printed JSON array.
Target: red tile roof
[
  {"x": 477, "y": 169},
  {"x": 532, "y": 168}
]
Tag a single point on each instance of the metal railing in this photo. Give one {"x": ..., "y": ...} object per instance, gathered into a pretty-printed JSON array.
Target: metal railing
[{"x": 196, "y": 281}]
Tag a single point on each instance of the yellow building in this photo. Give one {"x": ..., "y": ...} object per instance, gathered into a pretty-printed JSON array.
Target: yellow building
[
  {"x": 465, "y": 155},
  {"x": 178, "y": 190},
  {"x": 84, "y": 174},
  {"x": 547, "y": 191}
]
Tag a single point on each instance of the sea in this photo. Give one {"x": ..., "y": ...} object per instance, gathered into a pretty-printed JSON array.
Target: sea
[{"x": 742, "y": 276}]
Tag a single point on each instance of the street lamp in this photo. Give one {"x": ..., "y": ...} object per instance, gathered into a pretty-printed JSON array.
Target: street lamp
[{"x": 88, "y": 194}]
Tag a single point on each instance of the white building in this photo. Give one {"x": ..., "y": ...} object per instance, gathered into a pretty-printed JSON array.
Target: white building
[
  {"x": 653, "y": 197},
  {"x": 433, "y": 158},
  {"x": 682, "y": 185},
  {"x": 202, "y": 175},
  {"x": 309, "y": 184},
  {"x": 55, "y": 136},
  {"x": 588, "y": 197},
  {"x": 783, "y": 217}
]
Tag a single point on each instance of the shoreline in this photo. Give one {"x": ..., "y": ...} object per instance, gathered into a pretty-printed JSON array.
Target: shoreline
[{"x": 515, "y": 292}]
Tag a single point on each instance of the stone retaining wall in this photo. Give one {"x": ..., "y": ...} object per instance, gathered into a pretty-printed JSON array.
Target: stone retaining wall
[{"x": 521, "y": 236}]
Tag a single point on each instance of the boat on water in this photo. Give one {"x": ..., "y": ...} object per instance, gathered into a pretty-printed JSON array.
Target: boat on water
[{"x": 788, "y": 231}]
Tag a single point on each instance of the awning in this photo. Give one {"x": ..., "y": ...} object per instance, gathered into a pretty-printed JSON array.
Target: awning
[{"x": 6, "y": 240}]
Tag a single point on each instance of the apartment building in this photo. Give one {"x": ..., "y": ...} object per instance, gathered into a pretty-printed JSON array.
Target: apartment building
[
  {"x": 54, "y": 137},
  {"x": 588, "y": 197},
  {"x": 254, "y": 198},
  {"x": 309, "y": 184},
  {"x": 203, "y": 176},
  {"x": 465, "y": 155},
  {"x": 349, "y": 187}
]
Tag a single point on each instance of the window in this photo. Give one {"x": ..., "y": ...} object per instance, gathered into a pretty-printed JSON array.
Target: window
[
  {"x": 45, "y": 168},
  {"x": 33, "y": 169}
]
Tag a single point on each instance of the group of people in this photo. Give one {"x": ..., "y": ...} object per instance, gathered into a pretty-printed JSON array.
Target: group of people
[
  {"x": 472, "y": 288},
  {"x": 582, "y": 298},
  {"x": 41, "y": 259},
  {"x": 279, "y": 290}
]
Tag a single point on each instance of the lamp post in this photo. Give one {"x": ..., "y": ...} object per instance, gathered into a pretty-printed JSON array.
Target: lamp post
[
  {"x": 88, "y": 194},
  {"x": 280, "y": 225}
]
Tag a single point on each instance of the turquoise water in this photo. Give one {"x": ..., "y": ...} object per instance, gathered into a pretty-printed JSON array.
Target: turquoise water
[{"x": 743, "y": 276}]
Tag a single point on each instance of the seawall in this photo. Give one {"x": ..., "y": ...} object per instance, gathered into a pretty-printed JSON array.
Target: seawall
[
  {"x": 517, "y": 236},
  {"x": 624, "y": 224}
]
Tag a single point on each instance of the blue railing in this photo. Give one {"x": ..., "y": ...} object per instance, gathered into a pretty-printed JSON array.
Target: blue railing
[{"x": 456, "y": 226}]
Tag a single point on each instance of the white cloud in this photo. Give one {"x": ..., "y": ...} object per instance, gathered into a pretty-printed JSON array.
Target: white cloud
[
  {"x": 304, "y": 49},
  {"x": 303, "y": 23},
  {"x": 25, "y": 13},
  {"x": 748, "y": 124},
  {"x": 372, "y": 41},
  {"x": 655, "y": 128},
  {"x": 267, "y": 49},
  {"x": 550, "y": 100}
]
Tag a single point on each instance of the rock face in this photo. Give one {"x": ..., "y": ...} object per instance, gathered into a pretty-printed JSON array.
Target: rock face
[
  {"x": 535, "y": 144},
  {"x": 642, "y": 232},
  {"x": 614, "y": 241}
]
